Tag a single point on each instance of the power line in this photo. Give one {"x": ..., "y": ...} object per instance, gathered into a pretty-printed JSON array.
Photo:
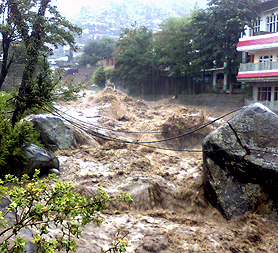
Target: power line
[
  {"x": 146, "y": 144},
  {"x": 197, "y": 127},
  {"x": 193, "y": 131},
  {"x": 96, "y": 134},
  {"x": 152, "y": 142}
]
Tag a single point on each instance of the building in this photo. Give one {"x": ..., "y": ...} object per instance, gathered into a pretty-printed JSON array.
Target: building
[{"x": 259, "y": 47}]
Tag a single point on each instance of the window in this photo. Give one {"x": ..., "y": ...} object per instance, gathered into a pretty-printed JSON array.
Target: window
[
  {"x": 265, "y": 62},
  {"x": 275, "y": 93},
  {"x": 272, "y": 23},
  {"x": 264, "y": 93},
  {"x": 266, "y": 58},
  {"x": 256, "y": 26}
]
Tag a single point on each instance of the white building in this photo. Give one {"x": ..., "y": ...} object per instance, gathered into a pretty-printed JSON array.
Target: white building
[{"x": 259, "y": 47}]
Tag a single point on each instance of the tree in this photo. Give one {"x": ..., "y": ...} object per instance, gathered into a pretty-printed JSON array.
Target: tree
[
  {"x": 202, "y": 42},
  {"x": 8, "y": 44},
  {"x": 38, "y": 25},
  {"x": 97, "y": 50},
  {"x": 135, "y": 59},
  {"x": 173, "y": 46},
  {"x": 99, "y": 76},
  {"x": 219, "y": 27}
]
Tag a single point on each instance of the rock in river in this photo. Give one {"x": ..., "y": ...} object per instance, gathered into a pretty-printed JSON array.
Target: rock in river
[
  {"x": 241, "y": 163},
  {"x": 39, "y": 158},
  {"x": 54, "y": 134}
]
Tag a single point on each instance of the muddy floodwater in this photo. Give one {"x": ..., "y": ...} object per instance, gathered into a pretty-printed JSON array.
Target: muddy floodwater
[{"x": 164, "y": 178}]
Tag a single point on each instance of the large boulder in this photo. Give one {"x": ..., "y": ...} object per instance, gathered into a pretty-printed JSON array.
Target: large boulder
[
  {"x": 39, "y": 158},
  {"x": 241, "y": 163},
  {"x": 54, "y": 134}
]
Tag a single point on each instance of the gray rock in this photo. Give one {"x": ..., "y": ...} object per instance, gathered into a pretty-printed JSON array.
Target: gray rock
[
  {"x": 10, "y": 216},
  {"x": 54, "y": 134},
  {"x": 39, "y": 158},
  {"x": 31, "y": 247},
  {"x": 241, "y": 163},
  {"x": 25, "y": 233}
]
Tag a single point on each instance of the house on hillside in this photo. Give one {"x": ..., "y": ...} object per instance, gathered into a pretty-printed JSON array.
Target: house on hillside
[
  {"x": 108, "y": 62},
  {"x": 259, "y": 47}
]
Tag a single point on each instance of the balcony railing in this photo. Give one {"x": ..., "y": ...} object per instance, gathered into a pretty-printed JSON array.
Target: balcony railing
[{"x": 268, "y": 65}]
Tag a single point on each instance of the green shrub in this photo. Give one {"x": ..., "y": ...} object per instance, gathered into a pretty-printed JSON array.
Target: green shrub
[
  {"x": 6, "y": 100},
  {"x": 42, "y": 203},
  {"x": 12, "y": 141},
  {"x": 99, "y": 76}
]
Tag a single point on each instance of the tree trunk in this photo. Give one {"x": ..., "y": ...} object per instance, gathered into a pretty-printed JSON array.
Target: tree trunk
[
  {"x": 24, "y": 97},
  {"x": 33, "y": 44},
  {"x": 5, "y": 63}
]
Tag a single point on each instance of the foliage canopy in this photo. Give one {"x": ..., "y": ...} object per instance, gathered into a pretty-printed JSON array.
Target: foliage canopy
[
  {"x": 204, "y": 39},
  {"x": 37, "y": 26},
  {"x": 135, "y": 59},
  {"x": 172, "y": 46},
  {"x": 97, "y": 50},
  {"x": 219, "y": 27}
]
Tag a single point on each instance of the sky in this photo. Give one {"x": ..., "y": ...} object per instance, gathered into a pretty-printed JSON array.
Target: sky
[{"x": 69, "y": 7}]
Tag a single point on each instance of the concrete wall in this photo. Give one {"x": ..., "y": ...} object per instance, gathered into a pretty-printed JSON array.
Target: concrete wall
[{"x": 82, "y": 75}]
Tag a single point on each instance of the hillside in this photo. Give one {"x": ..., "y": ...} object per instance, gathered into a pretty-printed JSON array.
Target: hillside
[{"x": 108, "y": 17}]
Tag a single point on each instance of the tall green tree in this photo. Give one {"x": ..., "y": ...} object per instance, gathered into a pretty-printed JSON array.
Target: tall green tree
[
  {"x": 97, "y": 50},
  {"x": 173, "y": 46},
  {"x": 202, "y": 41},
  {"x": 219, "y": 27},
  {"x": 135, "y": 59},
  {"x": 38, "y": 26}
]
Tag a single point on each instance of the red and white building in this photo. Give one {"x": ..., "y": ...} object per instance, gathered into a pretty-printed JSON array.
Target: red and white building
[{"x": 259, "y": 47}]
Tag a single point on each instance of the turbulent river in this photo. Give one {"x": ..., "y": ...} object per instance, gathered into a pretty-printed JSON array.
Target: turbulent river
[{"x": 169, "y": 212}]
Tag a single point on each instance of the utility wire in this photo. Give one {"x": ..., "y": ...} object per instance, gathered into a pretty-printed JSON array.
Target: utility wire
[
  {"x": 199, "y": 127},
  {"x": 145, "y": 144},
  {"x": 96, "y": 134},
  {"x": 163, "y": 140},
  {"x": 122, "y": 131},
  {"x": 193, "y": 131}
]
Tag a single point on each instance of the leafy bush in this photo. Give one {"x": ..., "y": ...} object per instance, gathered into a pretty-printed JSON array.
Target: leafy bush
[
  {"x": 4, "y": 97},
  {"x": 99, "y": 76},
  {"x": 12, "y": 141},
  {"x": 44, "y": 203}
]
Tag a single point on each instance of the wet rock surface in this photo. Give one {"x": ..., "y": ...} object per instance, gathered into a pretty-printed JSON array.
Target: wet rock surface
[
  {"x": 240, "y": 163},
  {"x": 40, "y": 158},
  {"x": 54, "y": 134}
]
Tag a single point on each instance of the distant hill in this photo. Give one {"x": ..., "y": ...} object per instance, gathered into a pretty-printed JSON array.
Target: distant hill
[{"x": 109, "y": 16}]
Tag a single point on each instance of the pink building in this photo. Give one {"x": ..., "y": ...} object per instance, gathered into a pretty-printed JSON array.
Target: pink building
[{"x": 259, "y": 47}]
